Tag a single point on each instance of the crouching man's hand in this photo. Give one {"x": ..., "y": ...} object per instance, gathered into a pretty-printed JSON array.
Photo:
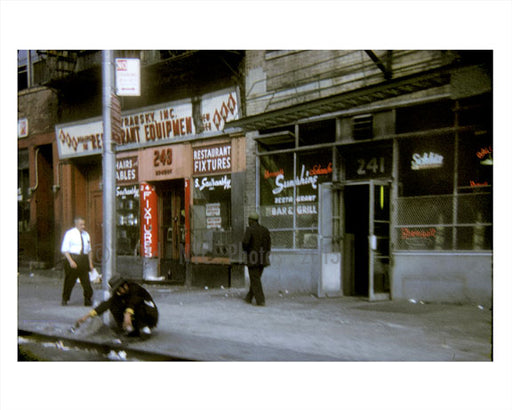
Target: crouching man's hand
[
  {"x": 84, "y": 318},
  {"x": 127, "y": 321}
]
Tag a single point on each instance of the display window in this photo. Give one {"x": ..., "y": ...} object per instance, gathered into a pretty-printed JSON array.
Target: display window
[
  {"x": 426, "y": 166},
  {"x": 211, "y": 215},
  {"x": 127, "y": 220},
  {"x": 475, "y": 161},
  {"x": 289, "y": 186},
  {"x": 430, "y": 215}
]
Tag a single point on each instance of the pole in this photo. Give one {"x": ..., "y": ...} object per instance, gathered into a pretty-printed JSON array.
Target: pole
[{"x": 109, "y": 227}]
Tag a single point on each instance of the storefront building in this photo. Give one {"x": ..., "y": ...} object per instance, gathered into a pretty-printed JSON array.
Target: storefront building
[
  {"x": 176, "y": 188},
  {"x": 381, "y": 188}
]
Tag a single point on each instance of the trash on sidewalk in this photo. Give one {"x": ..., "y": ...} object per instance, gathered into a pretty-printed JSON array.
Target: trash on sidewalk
[{"x": 121, "y": 355}]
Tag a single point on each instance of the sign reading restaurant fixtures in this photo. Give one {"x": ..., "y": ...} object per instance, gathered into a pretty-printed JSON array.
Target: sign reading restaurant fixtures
[
  {"x": 162, "y": 123},
  {"x": 212, "y": 159},
  {"x": 148, "y": 221}
]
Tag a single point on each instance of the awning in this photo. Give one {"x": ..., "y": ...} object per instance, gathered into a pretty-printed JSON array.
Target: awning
[{"x": 350, "y": 99}]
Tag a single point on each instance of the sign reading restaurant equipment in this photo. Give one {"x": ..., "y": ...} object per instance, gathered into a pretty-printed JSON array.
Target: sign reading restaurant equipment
[{"x": 153, "y": 124}]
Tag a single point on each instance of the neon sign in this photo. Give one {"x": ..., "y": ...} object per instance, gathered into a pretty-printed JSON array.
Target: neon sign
[{"x": 429, "y": 160}]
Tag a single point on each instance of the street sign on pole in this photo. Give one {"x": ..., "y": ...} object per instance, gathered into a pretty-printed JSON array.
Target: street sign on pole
[{"x": 128, "y": 77}]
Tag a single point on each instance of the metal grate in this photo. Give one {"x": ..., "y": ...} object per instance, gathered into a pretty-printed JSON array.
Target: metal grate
[{"x": 444, "y": 222}]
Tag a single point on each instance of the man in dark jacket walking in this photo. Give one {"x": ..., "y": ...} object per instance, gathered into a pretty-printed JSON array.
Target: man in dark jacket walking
[
  {"x": 256, "y": 244},
  {"x": 131, "y": 305}
]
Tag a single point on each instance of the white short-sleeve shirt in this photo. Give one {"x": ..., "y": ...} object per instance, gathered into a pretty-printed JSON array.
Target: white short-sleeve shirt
[{"x": 72, "y": 243}]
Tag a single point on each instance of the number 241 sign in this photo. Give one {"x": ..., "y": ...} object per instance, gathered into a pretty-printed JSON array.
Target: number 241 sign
[{"x": 368, "y": 165}]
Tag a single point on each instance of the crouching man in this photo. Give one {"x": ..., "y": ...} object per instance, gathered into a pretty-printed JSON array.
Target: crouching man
[{"x": 131, "y": 305}]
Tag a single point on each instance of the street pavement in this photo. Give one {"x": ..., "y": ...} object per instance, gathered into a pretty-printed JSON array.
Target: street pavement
[{"x": 217, "y": 325}]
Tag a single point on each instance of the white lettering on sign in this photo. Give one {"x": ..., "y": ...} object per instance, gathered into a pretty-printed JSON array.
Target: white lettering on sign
[
  {"x": 429, "y": 160},
  {"x": 212, "y": 183},
  {"x": 310, "y": 209},
  {"x": 126, "y": 191},
  {"x": 304, "y": 179},
  {"x": 289, "y": 199},
  {"x": 148, "y": 241},
  {"x": 148, "y": 217},
  {"x": 212, "y": 159}
]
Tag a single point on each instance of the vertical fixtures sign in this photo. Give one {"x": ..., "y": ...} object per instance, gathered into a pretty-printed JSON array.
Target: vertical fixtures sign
[
  {"x": 128, "y": 76},
  {"x": 148, "y": 221}
]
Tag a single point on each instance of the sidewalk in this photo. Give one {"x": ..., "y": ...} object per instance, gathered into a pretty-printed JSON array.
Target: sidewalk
[{"x": 217, "y": 325}]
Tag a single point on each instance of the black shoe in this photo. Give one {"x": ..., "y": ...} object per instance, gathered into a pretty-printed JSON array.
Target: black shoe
[
  {"x": 64, "y": 302},
  {"x": 247, "y": 300},
  {"x": 88, "y": 302},
  {"x": 260, "y": 304}
]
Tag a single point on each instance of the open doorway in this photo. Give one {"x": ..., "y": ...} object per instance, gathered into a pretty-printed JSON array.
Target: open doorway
[
  {"x": 367, "y": 225},
  {"x": 172, "y": 229},
  {"x": 356, "y": 201}
]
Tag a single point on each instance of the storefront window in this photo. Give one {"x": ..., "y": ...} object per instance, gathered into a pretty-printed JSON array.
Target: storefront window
[
  {"x": 288, "y": 200},
  {"x": 426, "y": 166},
  {"x": 430, "y": 216},
  {"x": 128, "y": 228},
  {"x": 211, "y": 215}
]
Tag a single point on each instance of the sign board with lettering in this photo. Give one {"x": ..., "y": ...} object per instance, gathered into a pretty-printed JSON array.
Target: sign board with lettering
[
  {"x": 128, "y": 76},
  {"x": 212, "y": 159},
  {"x": 148, "y": 221},
  {"x": 426, "y": 166},
  {"x": 220, "y": 182},
  {"x": 150, "y": 126},
  {"x": 368, "y": 163},
  {"x": 283, "y": 193},
  {"x": 22, "y": 128},
  {"x": 165, "y": 162},
  {"x": 127, "y": 170}
]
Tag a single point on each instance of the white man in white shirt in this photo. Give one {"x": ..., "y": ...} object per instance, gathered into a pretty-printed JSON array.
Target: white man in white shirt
[{"x": 76, "y": 247}]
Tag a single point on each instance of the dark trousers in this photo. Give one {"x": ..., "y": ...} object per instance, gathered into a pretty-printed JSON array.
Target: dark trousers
[
  {"x": 143, "y": 315},
  {"x": 81, "y": 272},
  {"x": 255, "y": 289}
]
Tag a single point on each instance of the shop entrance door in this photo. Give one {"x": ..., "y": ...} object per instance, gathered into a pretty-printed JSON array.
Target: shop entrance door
[
  {"x": 172, "y": 230},
  {"x": 366, "y": 251}
]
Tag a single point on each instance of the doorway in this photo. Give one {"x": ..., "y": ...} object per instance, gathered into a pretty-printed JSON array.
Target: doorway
[
  {"x": 366, "y": 250},
  {"x": 172, "y": 229}
]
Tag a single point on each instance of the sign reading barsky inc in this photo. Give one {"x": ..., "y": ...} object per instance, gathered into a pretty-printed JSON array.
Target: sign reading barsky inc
[{"x": 144, "y": 127}]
